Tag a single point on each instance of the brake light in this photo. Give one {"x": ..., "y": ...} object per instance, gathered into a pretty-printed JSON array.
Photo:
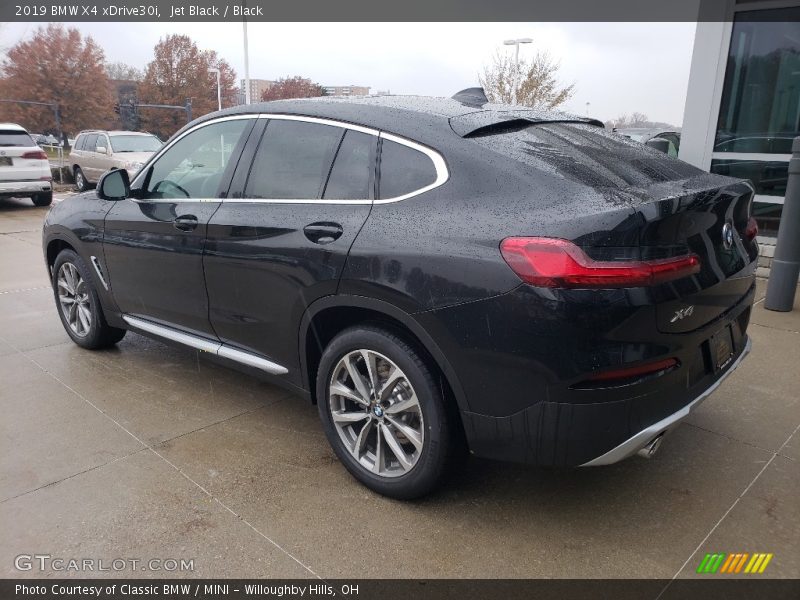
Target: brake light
[
  {"x": 634, "y": 372},
  {"x": 751, "y": 231},
  {"x": 39, "y": 154},
  {"x": 552, "y": 262}
]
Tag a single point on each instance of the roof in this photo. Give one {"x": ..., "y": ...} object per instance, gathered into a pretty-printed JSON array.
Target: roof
[
  {"x": 114, "y": 132},
  {"x": 423, "y": 118},
  {"x": 12, "y": 126}
]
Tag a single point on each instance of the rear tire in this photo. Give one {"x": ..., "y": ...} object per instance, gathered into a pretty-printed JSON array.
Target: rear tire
[
  {"x": 43, "y": 199},
  {"x": 80, "y": 180},
  {"x": 78, "y": 304},
  {"x": 397, "y": 441}
]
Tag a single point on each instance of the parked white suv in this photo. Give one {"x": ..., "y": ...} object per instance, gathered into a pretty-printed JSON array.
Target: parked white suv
[
  {"x": 24, "y": 166},
  {"x": 96, "y": 151}
]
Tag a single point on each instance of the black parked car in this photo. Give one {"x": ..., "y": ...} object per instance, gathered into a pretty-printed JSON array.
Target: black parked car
[{"x": 432, "y": 273}]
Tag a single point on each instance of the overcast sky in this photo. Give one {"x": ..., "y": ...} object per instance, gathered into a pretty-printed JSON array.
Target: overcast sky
[{"x": 617, "y": 67}]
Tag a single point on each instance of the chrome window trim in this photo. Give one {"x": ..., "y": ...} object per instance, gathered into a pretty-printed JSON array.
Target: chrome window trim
[
  {"x": 320, "y": 121},
  {"x": 442, "y": 173},
  {"x": 218, "y": 348}
]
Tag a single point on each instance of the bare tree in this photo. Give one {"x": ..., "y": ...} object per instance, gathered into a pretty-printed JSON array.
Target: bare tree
[
  {"x": 635, "y": 119},
  {"x": 120, "y": 70},
  {"x": 531, "y": 83}
]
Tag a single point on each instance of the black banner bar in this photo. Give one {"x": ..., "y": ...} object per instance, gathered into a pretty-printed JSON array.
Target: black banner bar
[
  {"x": 365, "y": 10},
  {"x": 712, "y": 588}
]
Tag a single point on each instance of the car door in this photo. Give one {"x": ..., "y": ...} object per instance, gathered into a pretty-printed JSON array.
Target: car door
[
  {"x": 301, "y": 193},
  {"x": 153, "y": 242}
]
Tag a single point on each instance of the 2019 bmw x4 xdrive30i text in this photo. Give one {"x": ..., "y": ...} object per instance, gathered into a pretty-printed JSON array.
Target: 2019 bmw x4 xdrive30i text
[{"x": 432, "y": 273}]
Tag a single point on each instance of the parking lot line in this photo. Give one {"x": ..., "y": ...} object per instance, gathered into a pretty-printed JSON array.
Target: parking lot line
[
  {"x": 727, "y": 512},
  {"x": 170, "y": 463}
]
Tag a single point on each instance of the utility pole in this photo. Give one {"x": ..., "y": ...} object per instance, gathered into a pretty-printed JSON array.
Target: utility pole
[{"x": 516, "y": 44}]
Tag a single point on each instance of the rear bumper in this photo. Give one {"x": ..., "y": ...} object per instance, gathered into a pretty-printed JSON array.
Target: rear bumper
[
  {"x": 25, "y": 187},
  {"x": 525, "y": 372},
  {"x": 647, "y": 435}
]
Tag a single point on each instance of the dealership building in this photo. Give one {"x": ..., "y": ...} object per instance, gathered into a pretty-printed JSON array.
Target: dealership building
[{"x": 743, "y": 103}]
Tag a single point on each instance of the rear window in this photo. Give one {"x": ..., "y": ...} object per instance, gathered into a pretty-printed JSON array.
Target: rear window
[
  {"x": 587, "y": 154},
  {"x": 403, "y": 170},
  {"x": 134, "y": 143},
  {"x": 15, "y": 137}
]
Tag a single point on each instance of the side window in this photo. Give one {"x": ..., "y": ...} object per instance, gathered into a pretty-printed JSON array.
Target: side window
[
  {"x": 102, "y": 143},
  {"x": 293, "y": 160},
  {"x": 352, "y": 170},
  {"x": 403, "y": 170},
  {"x": 90, "y": 143},
  {"x": 79, "y": 142},
  {"x": 194, "y": 165}
]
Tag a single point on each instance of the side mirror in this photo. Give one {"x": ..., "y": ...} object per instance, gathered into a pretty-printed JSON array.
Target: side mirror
[
  {"x": 101, "y": 150},
  {"x": 114, "y": 185},
  {"x": 659, "y": 144}
]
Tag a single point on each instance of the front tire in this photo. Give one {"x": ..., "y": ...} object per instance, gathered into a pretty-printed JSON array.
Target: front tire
[
  {"x": 78, "y": 304},
  {"x": 383, "y": 413}
]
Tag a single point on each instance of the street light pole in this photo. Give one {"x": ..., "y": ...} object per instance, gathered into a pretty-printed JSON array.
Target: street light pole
[
  {"x": 516, "y": 43},
  {"x": 219, "y": 86},
  {"x": 246, "y": 66}
]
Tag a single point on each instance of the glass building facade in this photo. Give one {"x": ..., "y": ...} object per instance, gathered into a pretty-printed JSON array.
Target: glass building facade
[{"x": 755, "y": 101}]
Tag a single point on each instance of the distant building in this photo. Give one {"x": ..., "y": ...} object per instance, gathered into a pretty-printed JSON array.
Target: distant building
[
  {"x": 346, "y": 90},
  {"x": 743, "y": 102},
  {"x": 257, "y": 87}
]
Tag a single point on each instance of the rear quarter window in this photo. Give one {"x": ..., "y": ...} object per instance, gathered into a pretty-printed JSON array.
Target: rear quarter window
[
  {"x": 15, "y": 137},
  {"x": 403, "y": 170}
]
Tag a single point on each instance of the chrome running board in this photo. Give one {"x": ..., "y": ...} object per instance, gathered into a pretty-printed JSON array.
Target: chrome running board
[
  {"x": 218, "y": 348},
  {"x": 647, "y": 435}
]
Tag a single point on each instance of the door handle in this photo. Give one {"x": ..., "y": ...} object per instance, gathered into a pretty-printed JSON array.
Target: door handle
[
  {"x": 323, "y": 233},
  {"x": 185, "y": 222}
]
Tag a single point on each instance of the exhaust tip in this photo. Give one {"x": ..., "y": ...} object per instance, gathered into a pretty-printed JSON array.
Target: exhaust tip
[{"x": 650, "y": 449}]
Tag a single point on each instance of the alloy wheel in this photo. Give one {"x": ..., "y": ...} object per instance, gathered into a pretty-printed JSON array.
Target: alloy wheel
[
  {"x": 376, "y": 413},
  {"x": 74, "y": 299}
]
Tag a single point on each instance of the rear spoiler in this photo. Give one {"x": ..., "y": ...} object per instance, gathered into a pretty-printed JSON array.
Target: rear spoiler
[{"x": 488, "y": 122}]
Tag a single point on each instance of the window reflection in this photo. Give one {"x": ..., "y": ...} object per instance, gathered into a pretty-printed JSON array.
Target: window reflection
[{"x": 760, "y": 105}]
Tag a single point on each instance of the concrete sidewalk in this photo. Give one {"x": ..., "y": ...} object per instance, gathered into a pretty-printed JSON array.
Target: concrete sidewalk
[{"x": 146, "y": 451}]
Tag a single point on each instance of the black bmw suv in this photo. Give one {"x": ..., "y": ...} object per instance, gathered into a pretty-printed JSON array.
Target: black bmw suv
[{"x": 432, "y": 273}]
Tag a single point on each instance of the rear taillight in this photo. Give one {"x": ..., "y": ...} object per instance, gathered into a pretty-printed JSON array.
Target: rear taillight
[
  {"x": 551, "y": 262},
  {"x": 38, "y": 154},
  {"x": 751, "y": 231}
]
